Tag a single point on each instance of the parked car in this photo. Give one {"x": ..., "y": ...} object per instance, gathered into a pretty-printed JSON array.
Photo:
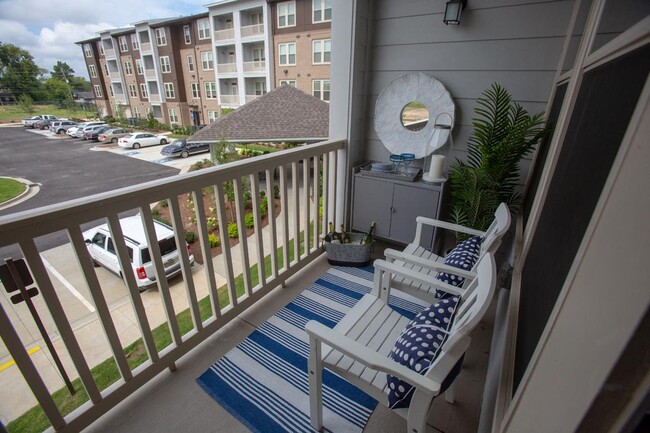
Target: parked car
[
  {"x": 112, "y": 135},
  {"x": 94, "y": 131},
  {"x": 61, "y": 126},
  {"x": 102, "y": 250},
  {"x": 31, "y": 122},
  {"x": 184, "y": 149},
  {"x": 80, "y": 132},
  {"x": 43, "y": 124},
  {"x": 72, "y": 132},
  {"x": 136, "y": 140}
]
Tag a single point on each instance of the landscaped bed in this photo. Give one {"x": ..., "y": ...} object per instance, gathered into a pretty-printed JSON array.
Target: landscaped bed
[{"x": 10, "y": 188}]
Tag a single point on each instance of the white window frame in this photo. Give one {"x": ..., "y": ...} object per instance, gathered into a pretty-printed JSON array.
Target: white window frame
[
  {"x": 93, "y": 71},
  {"x": 173, "y": 117},
  {"x": 133, "y": 92},
  {"x": 124, "y": 45},
  {"x": 111, "y": 91},
  {"x": 210, "y": 90},
  {"x": 287, "y": 60},
  {"x": 88, "y": 51},
  {"x": 209, "y": 62},
  {"x": 108, "y": 72},
  {"x": 139, "y": 69},
  {"x": 288, "y": 83},
  {"x": 190, "y": 63},
  {"x": 196, "y": 90},
  {"x": 136, "y": 112},
  {"x": 286, "y": 11},
  {"x": 319, "y": 47},
  {"x": 321, "y": 6},
  {"x": 161, "y": 37},
  {"x": 128, "y": 69},
  {"x": 165, "y": 65},
  {"x": 260, "y": 88},
  {"x": 135, "y": 44},
  {"x": 204, "y": 28},
  {"x": 169, "y": 90},
  {"x": 144, "y": 91},
  {"x": 259, "y": 55},
  {"x": 147, "y": 111},
  {"x": 187, "y": 34},
  {"x": 321, "y": 89},
  {"x": 98, "y": 91},
  {"x": 212, "y": 116},
  {"x": 100, "y": 47}
]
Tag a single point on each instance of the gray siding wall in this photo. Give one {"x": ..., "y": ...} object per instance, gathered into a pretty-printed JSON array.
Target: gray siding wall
[{"x": 514, "y": 43}]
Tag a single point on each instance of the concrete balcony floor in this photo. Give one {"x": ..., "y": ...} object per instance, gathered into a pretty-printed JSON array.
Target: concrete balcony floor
[{"x": 174, "y": 402}]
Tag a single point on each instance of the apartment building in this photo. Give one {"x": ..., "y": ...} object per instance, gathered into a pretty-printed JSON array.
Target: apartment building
[
  {"x": 302, "y": 41},
  {"x": 95, "y": 65}
]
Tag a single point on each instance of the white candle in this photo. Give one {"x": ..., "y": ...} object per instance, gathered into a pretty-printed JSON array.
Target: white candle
[{"x": 435, "y": 168}]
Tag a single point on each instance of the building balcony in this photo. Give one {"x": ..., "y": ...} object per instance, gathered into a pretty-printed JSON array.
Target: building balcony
[
  {"x": 145, "y": 48},
  {"x": 256, "y": 66},
  {"x": 229, "y": 99},
  {"x": 227, "y": 68},
  {"x": 150, "y": 74},
  {"x": 109, "y": 53},
  {"x": 121, "y": 99},
  {"x": 155, "y": 97},
  {"x": 254, "y": 30},
  {"x": 250, "y": 98},
  {"x": 224, "y": 35},
  {"x": 115, "y": 76}
]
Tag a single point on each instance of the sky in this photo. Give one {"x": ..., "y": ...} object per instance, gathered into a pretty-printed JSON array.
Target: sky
[{"x": 48, "y": 29}]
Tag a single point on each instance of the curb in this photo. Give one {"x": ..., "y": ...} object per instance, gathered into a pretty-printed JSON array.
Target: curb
[{"x": 31, "y": 189}]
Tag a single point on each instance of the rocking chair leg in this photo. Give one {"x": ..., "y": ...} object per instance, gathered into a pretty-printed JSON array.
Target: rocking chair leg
[
  {"x": 450, "y": 394},
  {"x": 315, "y": 371}
]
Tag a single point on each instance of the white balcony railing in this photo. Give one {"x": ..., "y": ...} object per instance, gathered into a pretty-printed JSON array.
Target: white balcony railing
[
  {"x": 145, "y": 47},
  {"x": 154, "y": 97},
  {"x": 109, "y": 53},
  {"x": 224, "y": 35},
  {"x": 150, "y": 73},
  {"x": 229, "y": 99},
  {"x": 254, "y": 30},
  {"x": 225, "y": 68},
  {"x": 256, "y": 66},
  {"x": 250, "y": 98},
  {"x": 304, "y": 190},
  {"x": 115, "y": 76}
]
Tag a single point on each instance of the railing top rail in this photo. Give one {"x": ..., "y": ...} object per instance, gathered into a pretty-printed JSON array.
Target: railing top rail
[{"x": 49, "y": 219}]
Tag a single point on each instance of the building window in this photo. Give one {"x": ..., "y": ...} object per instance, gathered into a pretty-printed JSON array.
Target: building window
[
  {"x": 93, "y": 71},
  {"x": 134, "y": 42},
  {"x": 256, "y": 18},
  {"x": 210, "y": 91},
  {"x": 173, "y": 118},
  {"x": 165, "y": 66},
  {"x": 322, "y": 11},
  {"x": 88, "y": 51},
  {"x": 110, "y": 90},
  {"x": 190, "y": 63},
  {"x": 287, "y": 54},
  {"x": 133, "y": 93},
  {"x": 196, "y": 91},
  {"x": 124, "y": 46},
  {"x": 169, "y": 90},
  {"x": 106, "y": 69},
  {"x": 321, "y": 89},
  {"x": 138, "y": 67},
  {"x": 187, "y": 34},
  {"x": 207, "y": 61},
  {"x": 204, "y": 28},
  {"x": 291, "y": 83},
  {"x": 98, "y": 90},
  {"x": 147, "y": 111},
  {"x": 260, "y": 88},
  {"x": 144, "y": 91},
  {"x": 100, "y": 47},
  {"x": 212, "y": 116},
  {"x": 322, "y": 50},
  {"x": 161, "y": 37},
  {"x": 128, "y": 70},
  {"x": 258, "y": 55},
  {"x": 136, "y": 112},
  {"x": 286, "y": 14}
]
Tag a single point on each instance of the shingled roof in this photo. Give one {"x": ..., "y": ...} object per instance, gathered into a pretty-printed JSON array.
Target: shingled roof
[{"x": 284, "y": 114}]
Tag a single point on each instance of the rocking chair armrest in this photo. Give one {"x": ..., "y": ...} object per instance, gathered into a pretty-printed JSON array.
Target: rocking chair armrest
[
  {"x": 448, "y": 226},
  {"x": 368, "y": 357},
  {"x": 425, "y": 263},
  {"x": 417, "y": 277}
]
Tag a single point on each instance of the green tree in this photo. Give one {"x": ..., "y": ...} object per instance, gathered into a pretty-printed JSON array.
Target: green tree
[
  {"x": 18, "y": 72},
  {"x": 80, "y": 84},
  {"x": 62, "y": 71},
  {"x": 26, "y": 104},
  {"x": 57, "y": 90}
]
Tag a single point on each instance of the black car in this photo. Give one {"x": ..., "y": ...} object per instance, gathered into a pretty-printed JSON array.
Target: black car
[
  {"x": 184, "y": 149},
  {"x": 94, "y": 134}
]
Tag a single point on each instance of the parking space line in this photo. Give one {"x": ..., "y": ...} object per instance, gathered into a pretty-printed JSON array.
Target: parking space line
[
  {"x": 68, "y": 286},
  {"x": 8, "y": 364}
]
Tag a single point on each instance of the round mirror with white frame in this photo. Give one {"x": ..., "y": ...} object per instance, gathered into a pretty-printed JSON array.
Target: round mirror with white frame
[{"x": 405, "y": 112}]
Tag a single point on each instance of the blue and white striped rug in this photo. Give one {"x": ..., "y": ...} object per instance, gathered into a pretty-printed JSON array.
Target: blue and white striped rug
[{"x": 263, "y": 381}]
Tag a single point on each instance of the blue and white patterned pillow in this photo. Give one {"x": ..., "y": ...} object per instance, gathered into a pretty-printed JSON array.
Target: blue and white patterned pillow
[
  {"x": 418, "y": 346},
  {"x": 463, "y": 256}
]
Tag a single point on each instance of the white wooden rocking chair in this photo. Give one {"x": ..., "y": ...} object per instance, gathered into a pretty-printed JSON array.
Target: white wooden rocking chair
[
  {"x": 415, "y": 257},
  {"x": 357, "y": 348}
]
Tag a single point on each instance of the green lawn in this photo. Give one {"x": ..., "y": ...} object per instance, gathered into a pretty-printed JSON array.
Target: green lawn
[
  {"x": 12, "y": 113},
  {"x": 9, "y": 189}
]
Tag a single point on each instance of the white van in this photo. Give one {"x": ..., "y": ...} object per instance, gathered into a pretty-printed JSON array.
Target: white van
[{"x": 102, "y": 250}]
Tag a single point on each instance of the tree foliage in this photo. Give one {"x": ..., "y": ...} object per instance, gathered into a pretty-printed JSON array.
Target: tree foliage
[
  {"x": 62, "y": 71},
  {"x": 18, "y": 72}
]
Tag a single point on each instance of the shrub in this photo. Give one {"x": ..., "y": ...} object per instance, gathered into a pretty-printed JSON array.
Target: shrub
[
  {"x": 214, "y": 241},
  {"x": 162, "y": 220},
  {"x": 249, "y": 220},
  {"x": 163, "y": 203},
  {"x": 190, "y": 237},
  {"x": 233, "y": 231},
  {"x": 276, "y": 191},
  {"x": 155, "y": 212},
  {"x": 213, "y": 223},
  {"x": 264, "y": 206}
]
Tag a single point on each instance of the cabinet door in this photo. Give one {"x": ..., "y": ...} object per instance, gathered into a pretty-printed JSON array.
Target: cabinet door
[
  {"x": 372, "y": 202},
  {"x": 408, "y": 204}
]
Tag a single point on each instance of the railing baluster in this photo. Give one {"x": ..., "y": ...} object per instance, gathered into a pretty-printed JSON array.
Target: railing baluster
[
  {"x": 225, "y": 244},
  {"x": 316, "y": 201},
  {"x": 60, "y": 319},
  {"x": 30, "y": 373},
  {"x": 161, "y": 278},
  {"x": 270, "y": 194},
  {"x": 333, "y": 186},
  {"x": 295, "y": 176},
  {"x": 186, "y": 268},
  {"x": 257, "y": 217},
  {"x": 326, "y": 193},
  {"x": 95, "y": 289},
  {"x": 306, "y": 203},
  {"x": 129, "y": 279},
  {"x": 241, "y": 231},
  {"x": 208, "y": 264},
  {"x": 284, "y": 210}
]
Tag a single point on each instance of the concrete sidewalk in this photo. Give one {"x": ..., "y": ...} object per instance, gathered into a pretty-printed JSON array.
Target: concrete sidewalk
[{"x": 15, "y": 395}]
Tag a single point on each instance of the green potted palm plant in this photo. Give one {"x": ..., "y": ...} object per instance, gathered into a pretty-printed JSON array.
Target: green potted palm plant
[{"x": 503, "y": 134}]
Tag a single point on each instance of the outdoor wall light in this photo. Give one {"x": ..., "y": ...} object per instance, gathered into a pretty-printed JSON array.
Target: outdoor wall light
[{"x": 453, "y": 9}]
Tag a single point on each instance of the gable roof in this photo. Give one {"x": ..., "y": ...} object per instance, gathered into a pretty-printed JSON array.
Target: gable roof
[{"x": 284, "y": 114}]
